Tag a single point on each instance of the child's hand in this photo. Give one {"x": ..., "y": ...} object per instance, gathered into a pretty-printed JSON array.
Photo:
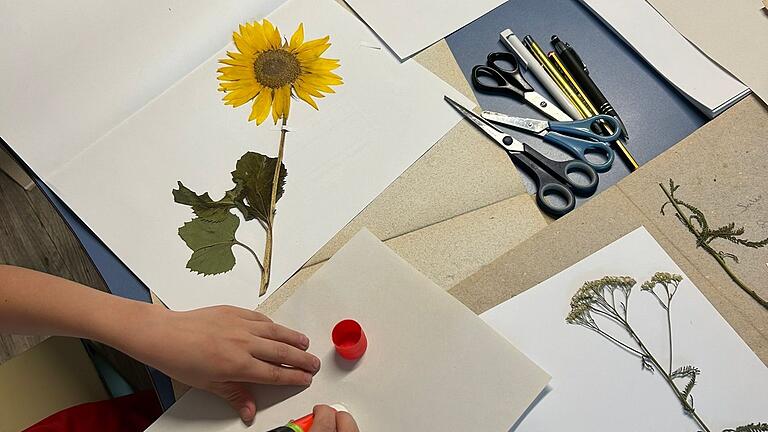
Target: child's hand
[
  {"x": 328, "y": 419},
  {"x": 221, "y": 349}
]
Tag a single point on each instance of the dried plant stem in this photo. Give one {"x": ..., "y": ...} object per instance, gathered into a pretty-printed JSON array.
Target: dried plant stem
[
  {"x": 266, "y": 270},
  {"x": 597, "y": 300},
  {"x": 248, "y": 248},
  {"x": 644, "y": 352},
  {"x": 710, "y": 250},
  {"x": 686, "y": 406},
  {"x": 669, "y": 333}
]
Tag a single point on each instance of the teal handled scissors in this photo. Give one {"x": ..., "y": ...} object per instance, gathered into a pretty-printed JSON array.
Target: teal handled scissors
[
  {"x": 576, "y": 137},
  {"x": 554, "y": 179}
]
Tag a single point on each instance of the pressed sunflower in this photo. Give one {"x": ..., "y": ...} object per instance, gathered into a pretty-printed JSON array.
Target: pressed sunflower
[{"x": 268, "y": 71}]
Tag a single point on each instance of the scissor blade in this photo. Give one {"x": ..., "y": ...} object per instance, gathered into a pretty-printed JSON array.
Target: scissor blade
[
  {"x": 526, "y": 124},
  {"x": 500, "y": 137},
  {"x": 546, "y": 107}
]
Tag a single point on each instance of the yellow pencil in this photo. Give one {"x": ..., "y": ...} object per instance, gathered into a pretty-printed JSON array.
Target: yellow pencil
[
  {"x": 572, "y": 83},
  {"x": 590, "y": 108},
  {"x": 556, "y": 77}
]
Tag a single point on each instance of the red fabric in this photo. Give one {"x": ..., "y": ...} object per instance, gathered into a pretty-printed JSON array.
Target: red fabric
[{"x": 132, "y": 413}]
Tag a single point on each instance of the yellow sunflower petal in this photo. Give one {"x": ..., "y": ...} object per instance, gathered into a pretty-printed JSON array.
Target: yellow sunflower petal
[
  {"x": 234, "y": 73},
  {"x": 272, "y": 35},
  {"x": 228, "y": 86},
  {"x": 282, "y": 103},
  {"x": 232, "y": 62},
  {"x": 242, "y": 43},
  {"x": 314, "y": 43},
  {"x": 312, "y": 54},
  {"x": 261, "y": 106},
  {"x": 303, "y": 95},
  {"x": 298, "y": 38},
  {"x": 234, "y": 55},
  {"x": 256, "y": 36},
  {"x": 241, "y": 96},
  {"x": 307, "y": 88},
  {"x": 319, "y": 65},
  {"x": 321, "y": 79}
]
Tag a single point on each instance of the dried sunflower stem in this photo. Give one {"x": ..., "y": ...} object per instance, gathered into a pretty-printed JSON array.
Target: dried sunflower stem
[
  {"x": 266, "y": 270},
  {"x": 712, "y": 251}
]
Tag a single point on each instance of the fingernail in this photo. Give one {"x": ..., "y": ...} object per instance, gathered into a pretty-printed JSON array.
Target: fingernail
[
  {"x": 304, "y": 342},
  {"x": 316, "y": 365},
  {"x": 245, "y": 414},
  {"x": 308, "y": 379}
]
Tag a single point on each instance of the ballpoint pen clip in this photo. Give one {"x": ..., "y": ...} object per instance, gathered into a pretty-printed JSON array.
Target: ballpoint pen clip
[{"x": 576, "y": 55}]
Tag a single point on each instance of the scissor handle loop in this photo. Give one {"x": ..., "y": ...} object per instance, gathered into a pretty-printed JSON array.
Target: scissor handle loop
[
  {"x": 579, "y": 148},
  {"x": 546, "y": 187},
  {"x": 562, "y": 171},
  {"x": 498, "y": 61},
  {"x": 586, "y": 128},
  {"x": 502, "y": 85}
]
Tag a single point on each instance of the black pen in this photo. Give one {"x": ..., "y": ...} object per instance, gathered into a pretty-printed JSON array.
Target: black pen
[{"x": 580, "y": 73}]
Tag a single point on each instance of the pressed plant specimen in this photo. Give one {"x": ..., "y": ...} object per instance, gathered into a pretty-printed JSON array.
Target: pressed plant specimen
[
  {"x": 693, "y": 219},
  {"x": 606, "y": 300},
  {"x": 268, "y": 72}
]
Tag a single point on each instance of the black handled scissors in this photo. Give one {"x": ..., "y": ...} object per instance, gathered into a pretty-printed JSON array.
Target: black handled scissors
[
  {"x": 553, "y": 178},
  {"x": 509, "y": 81},
  {"x": 576, "y": 137}
]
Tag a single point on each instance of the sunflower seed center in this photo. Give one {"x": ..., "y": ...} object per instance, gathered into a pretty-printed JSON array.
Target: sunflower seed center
[{"x": 276, "y": 68}]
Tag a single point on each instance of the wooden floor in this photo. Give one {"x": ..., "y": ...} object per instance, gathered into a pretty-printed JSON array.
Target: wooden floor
[{"x": 33, "y": 235}]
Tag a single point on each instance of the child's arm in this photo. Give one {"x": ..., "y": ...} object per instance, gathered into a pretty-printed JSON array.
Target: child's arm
[{"x": 218, "y": 348}]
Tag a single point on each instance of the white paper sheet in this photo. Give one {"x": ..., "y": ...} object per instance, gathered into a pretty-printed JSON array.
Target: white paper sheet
[
  {"x": 382, "y": 119},
  {"x": 72, "y": 70},
  {"x": 734, "y": 34},
  {"x": 702, "y": 81},
  {"x": 597, "y": 386},
  {"x": 409, "y": 26},
  {"x": 431, "y": 364}
]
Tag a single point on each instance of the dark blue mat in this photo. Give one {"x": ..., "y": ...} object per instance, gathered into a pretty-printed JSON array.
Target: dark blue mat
[{"x": 656, "y": 115}]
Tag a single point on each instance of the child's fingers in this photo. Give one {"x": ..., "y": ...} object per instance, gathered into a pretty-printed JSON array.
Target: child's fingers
[{"x": 345, "y": 423}]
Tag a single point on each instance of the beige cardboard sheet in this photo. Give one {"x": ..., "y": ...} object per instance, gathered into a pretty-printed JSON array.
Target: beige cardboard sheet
[
  {"x": 463, "y": 171},
  {"x": 733, "y": 33},
  {"x": 54, "y": 375},
  {"x": 723, "y": 170},
  {"x": 431, "y": 363}
]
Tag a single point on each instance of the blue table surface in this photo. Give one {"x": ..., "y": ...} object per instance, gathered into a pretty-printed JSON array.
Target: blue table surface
[{"x": 655, "y": 114}]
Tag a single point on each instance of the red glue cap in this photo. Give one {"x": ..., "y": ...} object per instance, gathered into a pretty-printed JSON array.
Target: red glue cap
[{"x": 349, "y": 339}]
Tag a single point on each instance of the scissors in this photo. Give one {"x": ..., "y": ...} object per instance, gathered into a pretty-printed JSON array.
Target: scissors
[
  {"x": 511, "y": 82},
  {"x": 553, "y": 178},
  {"x": 576, "y": 137}
]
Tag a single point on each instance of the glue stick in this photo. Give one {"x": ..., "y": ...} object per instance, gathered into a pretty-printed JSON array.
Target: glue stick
[{"x": 305, "y": 423}]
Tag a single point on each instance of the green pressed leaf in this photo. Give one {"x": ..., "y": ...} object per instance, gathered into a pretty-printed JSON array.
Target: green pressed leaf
[
  {"x": 689, "y": 372},
  {"x": 206, "y": 208},
  {"x": 211, "y": 244},
  {"x": 255, "y": 173}
]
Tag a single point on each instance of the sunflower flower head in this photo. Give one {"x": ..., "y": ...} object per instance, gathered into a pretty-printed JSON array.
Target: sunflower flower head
[{"x": 268, "y": 70}]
